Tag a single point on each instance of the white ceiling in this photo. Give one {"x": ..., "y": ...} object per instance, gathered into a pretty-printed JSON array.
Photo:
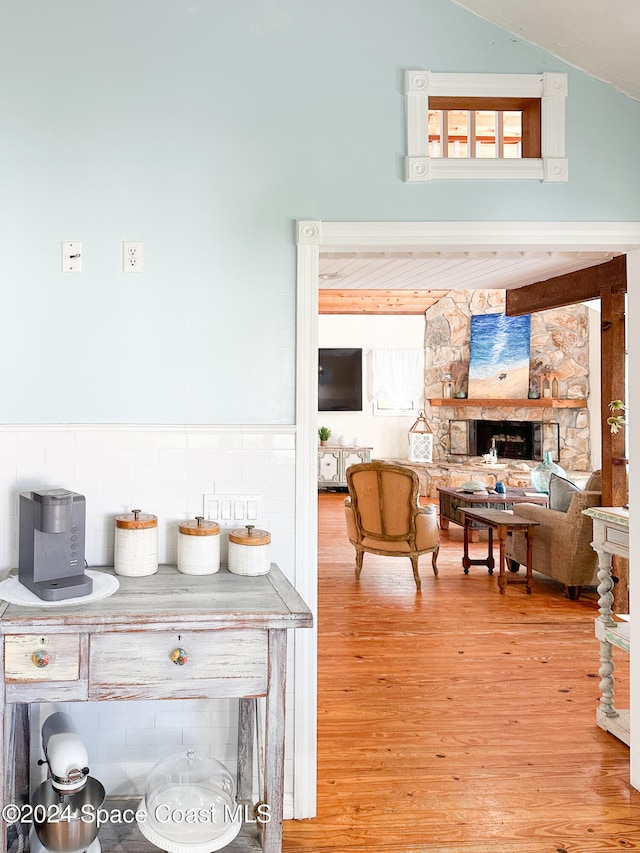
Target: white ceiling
[
  {"x": 448, "y": 271},
  {"x": 598, "y": 37}
]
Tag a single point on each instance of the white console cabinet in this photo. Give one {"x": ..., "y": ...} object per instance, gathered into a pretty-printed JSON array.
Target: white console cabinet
[
  {"x": 610, "y": 536},
  {"x": 333, "y": 462},
  {"x": 234, "y": 630}
]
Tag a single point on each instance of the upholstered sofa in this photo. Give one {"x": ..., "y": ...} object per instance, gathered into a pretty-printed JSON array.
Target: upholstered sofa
[{"x": 562, "y": 541}]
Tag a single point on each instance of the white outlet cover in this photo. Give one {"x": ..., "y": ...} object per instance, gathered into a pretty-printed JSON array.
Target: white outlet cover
[{"x": 132, "y": 256}]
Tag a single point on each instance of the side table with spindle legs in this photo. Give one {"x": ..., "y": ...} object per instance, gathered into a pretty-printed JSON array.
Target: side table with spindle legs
[{"x": 504, "y": 522}]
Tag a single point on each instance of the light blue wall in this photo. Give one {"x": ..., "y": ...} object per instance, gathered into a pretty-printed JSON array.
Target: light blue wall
[{"x": 205, "y": 129}]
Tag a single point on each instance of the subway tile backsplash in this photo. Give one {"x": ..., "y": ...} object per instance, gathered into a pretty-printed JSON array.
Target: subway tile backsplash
[{"x": 164, "y": 470}]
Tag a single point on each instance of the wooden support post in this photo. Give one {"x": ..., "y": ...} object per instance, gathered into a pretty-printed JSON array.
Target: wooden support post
[{"x": 614, "y": 469}]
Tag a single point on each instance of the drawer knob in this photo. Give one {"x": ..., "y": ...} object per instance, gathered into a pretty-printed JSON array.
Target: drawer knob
[
  {"x": 40, "y": 658},
  {"x": 179, "y": 657}
]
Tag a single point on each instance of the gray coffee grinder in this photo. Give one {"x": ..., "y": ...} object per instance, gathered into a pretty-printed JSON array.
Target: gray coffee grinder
[{"x": 51, "y": 548}]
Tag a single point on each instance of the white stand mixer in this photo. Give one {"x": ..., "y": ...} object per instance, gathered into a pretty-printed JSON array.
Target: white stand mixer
[{"x": 66, "y": 805}]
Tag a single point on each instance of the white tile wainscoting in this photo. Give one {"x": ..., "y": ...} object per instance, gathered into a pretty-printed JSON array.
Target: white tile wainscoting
[{"x": 164, "y": 470}]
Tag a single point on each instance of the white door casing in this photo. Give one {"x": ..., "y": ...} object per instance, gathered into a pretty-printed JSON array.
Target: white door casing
[{"x": 314, "y": 237}]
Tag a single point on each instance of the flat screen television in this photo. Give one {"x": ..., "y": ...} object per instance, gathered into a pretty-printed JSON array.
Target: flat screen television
[{"x": 340, "y": 380}]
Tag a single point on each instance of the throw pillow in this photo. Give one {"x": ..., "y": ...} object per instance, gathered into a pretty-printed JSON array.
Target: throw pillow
[{"x": 560, "y": 493}]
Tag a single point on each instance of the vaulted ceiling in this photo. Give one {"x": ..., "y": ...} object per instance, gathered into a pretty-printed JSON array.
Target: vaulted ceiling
[
  {"x": 598, "y": 37},
  {"x": 601, "y": 39}
]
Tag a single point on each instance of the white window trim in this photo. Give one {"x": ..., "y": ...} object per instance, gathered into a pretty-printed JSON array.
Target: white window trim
[
  {"x": 411, "y": 409},
  {"x": 550, "y": 87}
]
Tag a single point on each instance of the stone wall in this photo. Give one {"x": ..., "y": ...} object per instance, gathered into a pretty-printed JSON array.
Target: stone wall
[{"x": 559, "y": 342}]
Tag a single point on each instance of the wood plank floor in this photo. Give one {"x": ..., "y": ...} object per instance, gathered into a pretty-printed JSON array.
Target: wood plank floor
[{"x": 457, "y": 720}]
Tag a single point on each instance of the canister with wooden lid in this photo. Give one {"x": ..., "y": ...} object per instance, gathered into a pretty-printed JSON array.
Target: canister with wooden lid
[
  {"x": 136, "y": 544},
  {"x": 198, "y": 546},
  {"x": 249, "y": 551}
]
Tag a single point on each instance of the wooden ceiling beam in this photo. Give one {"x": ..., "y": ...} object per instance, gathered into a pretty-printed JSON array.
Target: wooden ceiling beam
[
  {"x": 377, "y": 301},
  {"x": 579, "y": 286}
]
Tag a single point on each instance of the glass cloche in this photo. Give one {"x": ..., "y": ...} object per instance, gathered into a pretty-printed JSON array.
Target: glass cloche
[{"x": 190, "y": 804}]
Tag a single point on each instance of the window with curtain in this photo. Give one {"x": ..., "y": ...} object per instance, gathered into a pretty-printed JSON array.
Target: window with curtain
[{"x": 398, "y": 380}]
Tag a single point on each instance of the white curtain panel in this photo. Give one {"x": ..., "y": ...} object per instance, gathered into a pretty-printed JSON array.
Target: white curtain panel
[{"x": 397, "y": 376}]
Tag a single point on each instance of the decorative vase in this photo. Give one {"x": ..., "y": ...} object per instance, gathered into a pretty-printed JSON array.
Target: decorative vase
[{"x": 541, "y": 474}]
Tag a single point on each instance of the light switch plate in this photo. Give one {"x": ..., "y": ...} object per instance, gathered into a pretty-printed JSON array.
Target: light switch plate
[
  {"x": 72, "y": 256},
  {"x": 233, "y": 510}
]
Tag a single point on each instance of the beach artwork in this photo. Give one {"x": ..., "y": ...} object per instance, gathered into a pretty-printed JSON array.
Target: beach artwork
[{"x": 499, "y": 362}]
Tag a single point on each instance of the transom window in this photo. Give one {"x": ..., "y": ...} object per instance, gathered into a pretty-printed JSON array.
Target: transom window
[
  {"x": 478, "y": 127},
  {"x": 485, "y": 126}
]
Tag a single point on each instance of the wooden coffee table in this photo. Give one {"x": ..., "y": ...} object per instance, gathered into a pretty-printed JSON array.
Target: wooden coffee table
[
  {"x": 503, "y": 521},
  {"x": 454, "y": 501}
]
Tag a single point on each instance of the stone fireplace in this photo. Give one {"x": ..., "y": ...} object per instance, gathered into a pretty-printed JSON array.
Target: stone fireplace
[{"x": 559, "y": 344}]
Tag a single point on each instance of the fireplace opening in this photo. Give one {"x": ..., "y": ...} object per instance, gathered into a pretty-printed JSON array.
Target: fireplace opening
[{"x": 513, "y": 439}]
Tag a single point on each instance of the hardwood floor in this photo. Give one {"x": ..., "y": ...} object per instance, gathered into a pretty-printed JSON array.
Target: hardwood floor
[{"x": 457, "y": 720}]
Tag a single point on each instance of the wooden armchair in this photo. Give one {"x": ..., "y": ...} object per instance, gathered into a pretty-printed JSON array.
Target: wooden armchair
[{"x": 384, "y": 515}]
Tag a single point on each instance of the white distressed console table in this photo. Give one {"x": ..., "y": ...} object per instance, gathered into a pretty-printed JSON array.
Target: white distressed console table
[
  {"x": 610, "y": 536},
  {"x": 231, "y": 633},
  {"x": 333, "y": 461}
]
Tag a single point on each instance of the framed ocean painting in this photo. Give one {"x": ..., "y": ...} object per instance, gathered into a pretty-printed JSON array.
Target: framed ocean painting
[{"x": 499, "y": 356}]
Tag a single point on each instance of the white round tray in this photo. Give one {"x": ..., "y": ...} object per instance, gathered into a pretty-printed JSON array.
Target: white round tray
[
  {"x": 215, "y": 841},
  {"x": 14, "y": 592}
]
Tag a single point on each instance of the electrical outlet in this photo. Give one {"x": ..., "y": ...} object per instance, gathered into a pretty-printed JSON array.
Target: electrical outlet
[{"x": 132, "y": 256}]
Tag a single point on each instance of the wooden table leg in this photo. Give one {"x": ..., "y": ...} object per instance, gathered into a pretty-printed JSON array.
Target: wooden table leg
[
  {"x": 246, "y": 737},
  {"x": 529, "y": 535},
  {"x": 5, "y": 757},
  {"x": 466, "y": 562},
  {"x": 502, "y": 578},
  {"x": 606, "y": 709},
  {"x": 468, "y": 534},
  {"x": 14, "y": 768},
  {"x": 274, "y": 741}
]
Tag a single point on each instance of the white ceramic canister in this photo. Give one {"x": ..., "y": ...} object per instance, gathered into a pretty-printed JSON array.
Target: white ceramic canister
[
  {"x": 136, "y": 544},
  {"x": 198, "y": 547},
  {"x": 249, "y": 551}
]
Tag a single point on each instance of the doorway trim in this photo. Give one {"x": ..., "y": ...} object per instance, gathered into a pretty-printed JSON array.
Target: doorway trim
[{"x": 312, "y": 238}]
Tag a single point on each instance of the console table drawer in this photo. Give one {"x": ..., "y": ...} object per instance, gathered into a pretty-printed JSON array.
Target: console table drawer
[
  {"x": 33, "y": 657},
  {"x": 616, "y": 537},
  {"x": 179, "y": 665}
]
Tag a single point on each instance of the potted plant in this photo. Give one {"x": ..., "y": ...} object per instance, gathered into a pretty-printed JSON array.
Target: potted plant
[{"x": 323, "y": 434}]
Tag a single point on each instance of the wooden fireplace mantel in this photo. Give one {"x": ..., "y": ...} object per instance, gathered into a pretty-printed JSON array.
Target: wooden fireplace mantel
[{"x": 541, "y": 403}]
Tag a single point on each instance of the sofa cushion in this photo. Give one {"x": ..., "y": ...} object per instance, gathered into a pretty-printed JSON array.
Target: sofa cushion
[{"x": 560, "y": 493}]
